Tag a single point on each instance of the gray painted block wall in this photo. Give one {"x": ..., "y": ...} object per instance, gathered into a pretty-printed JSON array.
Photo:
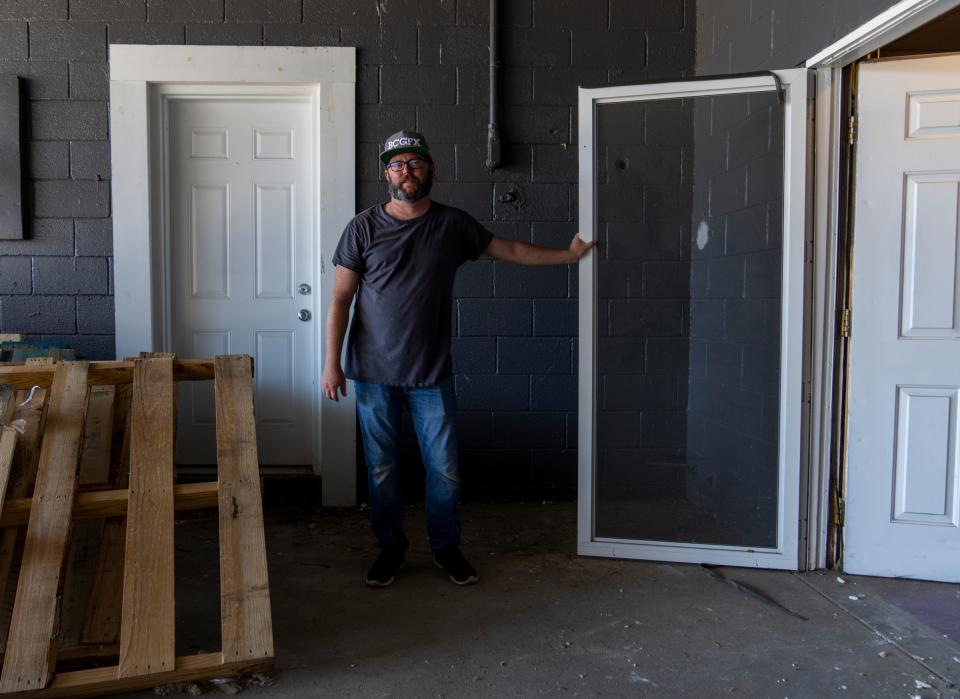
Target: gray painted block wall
[
  {"x": 422, "y": 64},
  {"x": 743, "y": 35}
]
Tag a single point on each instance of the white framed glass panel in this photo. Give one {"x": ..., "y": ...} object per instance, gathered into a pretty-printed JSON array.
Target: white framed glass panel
[{"x": 691, "y": 319}]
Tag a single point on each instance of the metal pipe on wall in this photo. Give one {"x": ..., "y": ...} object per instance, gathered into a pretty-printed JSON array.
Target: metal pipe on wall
[{"x": 493, "y": 128}]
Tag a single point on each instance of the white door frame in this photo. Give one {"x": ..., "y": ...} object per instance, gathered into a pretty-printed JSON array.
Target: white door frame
[
  {"x": 893, "y": 23},
  {"x": 138, "y": 77},
  {"x": 785, "y": 554}
]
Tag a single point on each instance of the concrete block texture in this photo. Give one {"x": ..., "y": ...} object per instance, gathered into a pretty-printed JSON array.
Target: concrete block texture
[
  {"x": 515, "y": 86},
  {"x": 515, "y": 281},
  {"x": 109, "y": 10},
  {"x": 553, "y": 392},
  {"x": 533, "y": 355},
  {"x": 185, "y": 10},
  {"x": 15, "y": 275},
  {"x": 13, "y": 41},
  {"x": 336, "y": 13},
  {"x": 419, "y": 12},
  {"x": 493, "y": 393},
  {"x": 225, "y": 34},
  {"x": 49, "y": 160},
  {"x": 150, "y": 33},
  {"x": 516, "y": 13},
  {"x": 56, "y": 120},
  {"x": 70, "y": 275},
  {"x": 68, "y": 41},
  {"x": 42, "y": 80},
  {"x": 32, "y": 315},
  {"x": 537, "y": 47},
  {"x": 453, "y": 45},
  {"x": 262, "y": 12},
  {"x": 495, "y": 317},
  {"x": 92, "y": 347},
  {"x": 474, "y": 355},
  {"x": 734, "y": 37},
  {"x": 318, "y": 35},
  {"x": 555, "y": 318},
  {"x": 93, "y": 237},
  {"x": 95, "y": 315},
  {"x": 529, "y": 430},
  {"x": 34, "y": 9},
  {"x": 91, "y": 81},
  {"x": 570, "y": 13},
  {"x": 50, "y": 236},
  {"x": 418, "y": 85},
  {"x": 90, "y": 160},
  {"x": 71, "y": 198}
]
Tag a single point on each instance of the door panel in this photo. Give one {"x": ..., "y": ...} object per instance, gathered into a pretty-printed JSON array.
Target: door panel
[
  {"x": 930, "y": 295},
  {"x": 687, "y": 452},
  {"x": 241, "y": 242},
  {"x": 902, "y": 492}
]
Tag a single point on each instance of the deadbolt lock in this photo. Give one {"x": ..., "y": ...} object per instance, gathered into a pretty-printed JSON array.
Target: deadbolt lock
[{"x": 304, "y": 289}]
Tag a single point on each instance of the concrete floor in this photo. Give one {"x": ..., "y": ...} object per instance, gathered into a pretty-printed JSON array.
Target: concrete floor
[{"x": 543, "y": 621}]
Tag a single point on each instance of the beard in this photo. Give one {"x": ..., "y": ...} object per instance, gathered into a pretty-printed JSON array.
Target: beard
[{"x": 420, "y": 190}]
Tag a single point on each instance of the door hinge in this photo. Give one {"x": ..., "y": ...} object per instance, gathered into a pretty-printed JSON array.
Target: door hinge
[
  {"x": 845, "y": 322},
  {"x": 852, "y": 129}
]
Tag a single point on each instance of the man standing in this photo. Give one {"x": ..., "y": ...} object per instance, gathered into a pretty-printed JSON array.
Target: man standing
[{"x": 400, "y": 259}]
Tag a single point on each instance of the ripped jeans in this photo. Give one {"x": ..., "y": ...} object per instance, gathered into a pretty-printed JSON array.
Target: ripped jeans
[{"x": 433, "y": 410}]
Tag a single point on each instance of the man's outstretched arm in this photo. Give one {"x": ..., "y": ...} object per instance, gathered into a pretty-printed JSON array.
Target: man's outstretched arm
[
  {"x": 345, "y": 282},
  {"x": 529, "y": 254}
]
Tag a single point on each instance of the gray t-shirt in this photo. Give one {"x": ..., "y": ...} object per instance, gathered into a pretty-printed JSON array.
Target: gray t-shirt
[{"x": 400, "y": 331}]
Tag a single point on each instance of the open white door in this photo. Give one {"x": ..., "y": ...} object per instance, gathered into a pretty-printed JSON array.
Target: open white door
[
  {"x": 691, "y": 319},
  {"x": 903, "y": 493}
]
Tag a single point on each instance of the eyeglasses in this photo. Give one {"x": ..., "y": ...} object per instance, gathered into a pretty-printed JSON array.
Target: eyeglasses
[{"x": 413, "y": 164}]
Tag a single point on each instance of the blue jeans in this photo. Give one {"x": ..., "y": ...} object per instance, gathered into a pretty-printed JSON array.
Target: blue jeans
[{"x": 433, "y": 409}]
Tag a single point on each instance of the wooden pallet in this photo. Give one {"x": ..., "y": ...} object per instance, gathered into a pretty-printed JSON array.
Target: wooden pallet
[{"x": 109, "y": 426}]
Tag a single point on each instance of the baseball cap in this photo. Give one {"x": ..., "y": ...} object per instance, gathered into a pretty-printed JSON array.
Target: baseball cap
[{"x": 405, "y": 142}]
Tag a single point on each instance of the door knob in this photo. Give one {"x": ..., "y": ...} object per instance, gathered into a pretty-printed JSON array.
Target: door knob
[
  {"x": 304, "y": 314},
  {"x": 304, "y": 289}
]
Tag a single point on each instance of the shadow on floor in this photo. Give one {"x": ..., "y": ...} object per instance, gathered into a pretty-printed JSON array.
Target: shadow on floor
[{"x": 544, "y": 621}]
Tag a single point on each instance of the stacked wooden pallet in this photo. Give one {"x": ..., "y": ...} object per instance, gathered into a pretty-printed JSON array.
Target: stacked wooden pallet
[{"x": 96, "y": 443}]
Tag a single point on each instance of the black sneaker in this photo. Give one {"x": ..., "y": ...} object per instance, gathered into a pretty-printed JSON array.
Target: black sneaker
[
  {"x": 385, "y": 568},
  {"x": 455, "y": 565}
]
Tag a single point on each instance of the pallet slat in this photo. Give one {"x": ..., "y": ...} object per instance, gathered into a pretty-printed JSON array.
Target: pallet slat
[
  {"x": 24, "y": 376},
  {"x": 101, "y": 623},
  {"x": 8, "y": 442},
  {"x": 113, "y": 503},
  {"x": 247, "y": 630},
  {"x": 7, "y": 403},
  {"x": 26, "y": 457},
  {"x": 147, "y": 643},
  {"x": 103, "y": 680},
  {"x": 85, "y": 536},
  {"x": 28, "y": 662},
  {"x": 97, "y": 436}
]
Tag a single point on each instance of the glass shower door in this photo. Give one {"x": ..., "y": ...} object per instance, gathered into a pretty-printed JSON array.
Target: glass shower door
[{"x": 691, "y": 319}]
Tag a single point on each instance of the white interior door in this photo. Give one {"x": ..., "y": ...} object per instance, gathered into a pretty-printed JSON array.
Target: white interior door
[
  {"x": 241, "y": 233},
  {"x": 691, "y": 319},
  {"x": 902, "y": 492}
]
